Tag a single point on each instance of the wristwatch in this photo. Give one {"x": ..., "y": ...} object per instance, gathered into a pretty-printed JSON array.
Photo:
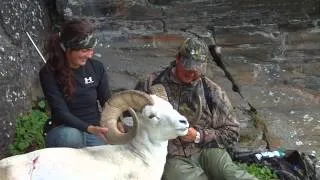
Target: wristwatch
[{"x": 197, "y": 140}]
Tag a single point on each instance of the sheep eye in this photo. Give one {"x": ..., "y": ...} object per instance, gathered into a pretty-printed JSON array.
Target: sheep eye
[{"x": 152, "y": 116}]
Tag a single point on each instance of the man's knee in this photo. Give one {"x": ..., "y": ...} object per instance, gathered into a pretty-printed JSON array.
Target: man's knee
[
  {"x": 214, "y": 161},
  {"x": 215, "y": 156},
  {"x": 183, "y": 169},
  {"x": 219, "y": 165},
  {"x": 63, "y": 136}
]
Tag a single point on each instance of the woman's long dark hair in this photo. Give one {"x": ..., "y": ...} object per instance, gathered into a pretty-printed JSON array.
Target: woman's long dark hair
[{"x": 57, "y": 56}]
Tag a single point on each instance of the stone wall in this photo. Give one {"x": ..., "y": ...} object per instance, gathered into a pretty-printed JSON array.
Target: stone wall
[
  {"x": 270, "y": 47},
  {"x": 19, "y": 62}
]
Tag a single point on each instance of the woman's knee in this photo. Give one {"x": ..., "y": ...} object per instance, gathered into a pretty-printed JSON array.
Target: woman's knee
[
  {"x": 64, "y": 136},
  {"x": 93, "y": 140}
]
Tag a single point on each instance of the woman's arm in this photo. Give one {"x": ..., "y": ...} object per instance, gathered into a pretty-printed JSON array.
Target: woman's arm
[
  {"x": 103, "y": 89},
  {"x": 57, "y": 102}
]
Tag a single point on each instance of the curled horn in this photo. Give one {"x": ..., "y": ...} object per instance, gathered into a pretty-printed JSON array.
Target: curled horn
[
  {"x": 160, "y": 91},
  {"x": 122, "y": 101}
]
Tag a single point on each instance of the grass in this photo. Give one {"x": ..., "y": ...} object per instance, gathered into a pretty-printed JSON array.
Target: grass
[
  {"x": 259, "y": 171},
  {"x": 29, "y": 130}
]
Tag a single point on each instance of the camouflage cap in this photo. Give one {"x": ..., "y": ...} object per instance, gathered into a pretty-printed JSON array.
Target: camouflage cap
[{"x": 194, "y": 54}]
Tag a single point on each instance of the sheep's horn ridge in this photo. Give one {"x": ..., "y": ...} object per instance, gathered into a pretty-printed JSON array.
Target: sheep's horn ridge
[
  {"x": 160, "y": 91},
  {"x": 122, "y": 101}
]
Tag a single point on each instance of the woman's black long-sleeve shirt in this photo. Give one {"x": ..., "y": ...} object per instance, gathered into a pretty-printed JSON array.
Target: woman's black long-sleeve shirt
[{"x": 82, "y": 110}]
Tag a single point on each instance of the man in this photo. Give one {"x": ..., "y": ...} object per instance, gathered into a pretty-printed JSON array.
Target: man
[{"x": 213, "y": 126}]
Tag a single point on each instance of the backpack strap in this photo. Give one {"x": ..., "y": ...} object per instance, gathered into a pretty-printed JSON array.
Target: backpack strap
[{"x": 207, "y": 95}]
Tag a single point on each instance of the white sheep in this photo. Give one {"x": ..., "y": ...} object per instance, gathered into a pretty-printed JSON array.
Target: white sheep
[{"x": 139, "y": 153}]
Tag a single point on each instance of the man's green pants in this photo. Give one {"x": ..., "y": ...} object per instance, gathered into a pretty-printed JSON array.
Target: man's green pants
[{"x": 212, "y": 164}]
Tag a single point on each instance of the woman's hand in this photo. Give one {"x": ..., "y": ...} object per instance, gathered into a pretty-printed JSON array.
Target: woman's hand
[{"x": 98, "y": 131}]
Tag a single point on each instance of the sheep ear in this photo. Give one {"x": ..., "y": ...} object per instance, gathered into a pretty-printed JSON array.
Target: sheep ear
[{"x": 160, "y": 91}]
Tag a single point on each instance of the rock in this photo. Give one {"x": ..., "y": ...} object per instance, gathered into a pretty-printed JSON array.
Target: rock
[
  {"x": 19, "y": 61},
  {"x": 271, "y": 49}
]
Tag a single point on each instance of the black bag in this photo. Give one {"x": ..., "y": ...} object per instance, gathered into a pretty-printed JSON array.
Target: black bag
[{"x": 292, "y": 166}]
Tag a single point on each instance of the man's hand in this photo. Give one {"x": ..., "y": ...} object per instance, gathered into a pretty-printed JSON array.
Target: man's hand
[
  {"x": 98, "y": 131},
  {"x": 191, "y": 136}
]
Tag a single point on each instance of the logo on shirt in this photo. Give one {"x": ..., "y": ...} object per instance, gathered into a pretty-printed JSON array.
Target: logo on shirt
[{"x": 88, "y": 80}]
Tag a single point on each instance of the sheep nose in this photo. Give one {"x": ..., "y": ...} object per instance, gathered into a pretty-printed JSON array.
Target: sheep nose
[{"x": 183, "y": 121}]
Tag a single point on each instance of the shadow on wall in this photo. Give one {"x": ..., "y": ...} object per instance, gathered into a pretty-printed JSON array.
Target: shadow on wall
[{"x": 160, "y": 2}]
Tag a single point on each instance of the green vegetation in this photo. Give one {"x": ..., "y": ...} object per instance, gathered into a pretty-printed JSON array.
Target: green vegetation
[
  {"x": 259, "y": 171},
  {"x": 29, "y": 129}
]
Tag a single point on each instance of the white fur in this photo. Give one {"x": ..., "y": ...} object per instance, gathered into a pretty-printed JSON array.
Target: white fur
[{"x": 142, "y": 158}]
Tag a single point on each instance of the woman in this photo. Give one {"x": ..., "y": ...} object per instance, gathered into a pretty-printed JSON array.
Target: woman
[{"x": 73, "y": 84}]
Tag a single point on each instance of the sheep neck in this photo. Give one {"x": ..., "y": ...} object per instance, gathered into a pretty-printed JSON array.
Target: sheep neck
[{"x": 148, "y": 150}]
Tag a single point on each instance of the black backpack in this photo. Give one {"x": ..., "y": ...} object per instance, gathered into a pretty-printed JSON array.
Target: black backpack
[{"x": 293, "y": 165}]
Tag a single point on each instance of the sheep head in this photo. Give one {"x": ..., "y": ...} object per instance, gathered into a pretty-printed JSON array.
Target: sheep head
[
  {"x": 130, "y": 100},
  {"x": 162, "y": 122},
  {"x": 154, "y": 111}
]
